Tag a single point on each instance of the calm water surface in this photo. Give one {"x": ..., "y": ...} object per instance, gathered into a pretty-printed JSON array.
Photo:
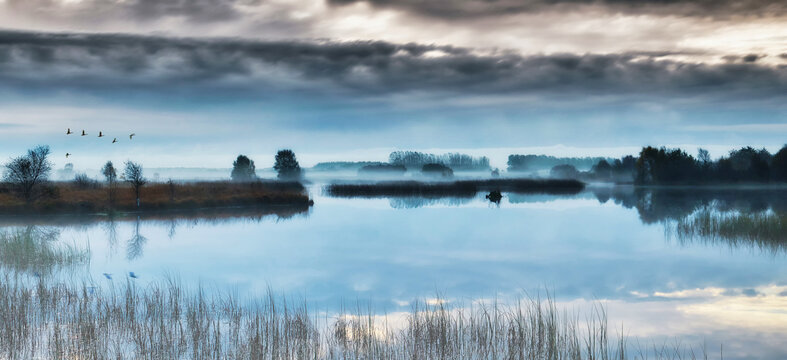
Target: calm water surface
[{"x": 613, "y": 246}]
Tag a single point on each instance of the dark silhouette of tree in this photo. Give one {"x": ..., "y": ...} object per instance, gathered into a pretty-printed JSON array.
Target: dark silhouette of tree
[
  {"x": 703, "y": 156},
  {"x": 135, "y": 178},
  {"x": 110, "y": 174},
  {"x": 564, "y": 171},
  {"x": 27, "y": 172},
  {"x": 243, "y": 169},
  {"x": 543, "y": 162},
  {"x": 779, "y": 165},
  {"x": 602, "y": 170},
  {"x": 435, "y": 169},
  {"x": 415, "y": 159},
  {"x": 287, "y": 165},
  {"x": 665, "y": 166}
]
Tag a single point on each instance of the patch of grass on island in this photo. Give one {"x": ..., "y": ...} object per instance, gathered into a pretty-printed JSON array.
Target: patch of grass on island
[
  {"x": 62, "y": 197},
  {"x": 460, "y": 188}
]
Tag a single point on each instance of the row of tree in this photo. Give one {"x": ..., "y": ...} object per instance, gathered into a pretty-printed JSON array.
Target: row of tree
[
  {"x": 285, "y": 164},
  {"x": 745, "y": 165},
  {"x": 456, "y": 161},
  {"x": 28, "y": 172},
  {"x": 663, "y": 166},
  {"x": 545, "y": 162}
]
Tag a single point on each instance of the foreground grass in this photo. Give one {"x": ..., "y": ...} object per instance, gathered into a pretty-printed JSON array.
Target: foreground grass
[
  {"x": 460, "y": 188},
  {"x": 166, "y": 321},
  {"x": 70, "y": 198}
]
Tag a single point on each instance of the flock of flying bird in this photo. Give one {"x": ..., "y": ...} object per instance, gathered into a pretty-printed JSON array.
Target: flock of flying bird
[{"x": 100, "y": 134}]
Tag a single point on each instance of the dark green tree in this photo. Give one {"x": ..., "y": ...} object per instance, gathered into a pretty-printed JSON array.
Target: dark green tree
[
  {"x": 286, "y": 165},
  {"x": 779, "y": 165},
  {"x": 243, "y": 169}
]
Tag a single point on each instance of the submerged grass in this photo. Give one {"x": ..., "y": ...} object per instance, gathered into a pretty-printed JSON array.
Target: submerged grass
[
  {"x": 35, "y": 250},
  {"x": 167, "y": 321},
  {"x": 460, "y": 188},
  {"x": 765, "y": 229}
]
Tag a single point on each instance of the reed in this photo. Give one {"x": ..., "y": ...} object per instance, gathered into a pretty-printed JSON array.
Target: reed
[
  {"x": 35, "y": 250},
  {"x": 168, "y": 321},
  {"x": 765, "y": 230}
]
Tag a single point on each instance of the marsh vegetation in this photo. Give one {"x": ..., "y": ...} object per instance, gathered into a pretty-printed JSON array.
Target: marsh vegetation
[{"x": 166, "y": 320}]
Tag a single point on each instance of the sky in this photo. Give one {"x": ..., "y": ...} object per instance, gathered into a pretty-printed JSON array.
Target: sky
[{"x": 201, "y": 81}]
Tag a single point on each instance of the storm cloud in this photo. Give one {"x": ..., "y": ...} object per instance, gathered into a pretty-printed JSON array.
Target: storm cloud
[
  {"x": 483, "y": 8},
  {"x": 363, "y": 68},
  {"x": 140, "y": 10}
]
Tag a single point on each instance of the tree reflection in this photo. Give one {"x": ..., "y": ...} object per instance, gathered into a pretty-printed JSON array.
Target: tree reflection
[
  {"x": 735, "y": 216},
  {"x": 135, "y": 245}
]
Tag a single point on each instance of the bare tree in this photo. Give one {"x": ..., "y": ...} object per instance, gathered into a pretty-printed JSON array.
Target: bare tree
[
  {"x": 111, "y": 175},
  {"x": 133, "y": 175},
  {"x": 28, "y": 171}
]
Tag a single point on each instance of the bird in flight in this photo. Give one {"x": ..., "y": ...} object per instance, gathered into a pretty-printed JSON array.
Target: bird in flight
[
  {"x": 131, "y": 137},
  {"x": 100, "y": 134},
  {"x": 69, "y": 132},
  {"x": 84, "y": 133},
  {"x": 107, "y": 275},
  {"x": 114, "y": 140},
  {"x": 67, "y": 155}
]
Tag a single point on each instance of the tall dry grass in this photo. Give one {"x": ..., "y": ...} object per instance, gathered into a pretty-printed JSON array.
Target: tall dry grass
[{"x": 167, "y": 321}]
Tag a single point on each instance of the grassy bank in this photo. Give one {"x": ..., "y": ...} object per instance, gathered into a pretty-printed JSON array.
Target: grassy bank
[
  {"x": 168, "y": 321},
  {"x": 460, "y": 188},
  {"x": 71, "y": 198}
]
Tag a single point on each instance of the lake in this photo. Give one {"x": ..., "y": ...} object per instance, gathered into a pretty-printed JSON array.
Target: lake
[{"x": 695, "y": 267}]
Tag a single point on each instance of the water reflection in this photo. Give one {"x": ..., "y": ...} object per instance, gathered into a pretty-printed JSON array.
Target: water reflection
[
  {"x": 418, "y": 202},
  {"x": 135, "y": 245},
  {"x": 605, "y": 244},
  {"x": 36, "y": 251}
]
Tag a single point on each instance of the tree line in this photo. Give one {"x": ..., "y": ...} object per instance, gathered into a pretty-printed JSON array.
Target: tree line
[
  {"x": 745, "y": 165},
  {"x": 455, "y": 161},
  {"x": 534, "y": 162}
]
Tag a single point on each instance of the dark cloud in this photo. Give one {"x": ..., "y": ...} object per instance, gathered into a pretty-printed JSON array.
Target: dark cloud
[
  {"x": 481, "y": 8},
  {"x": 97, "y": 61},
  {"x": 139, "y": 10}
]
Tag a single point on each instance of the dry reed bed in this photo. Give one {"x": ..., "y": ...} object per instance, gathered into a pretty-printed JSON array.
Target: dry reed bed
[
  {"x": 167, "y": 321},
  {"x": 70, "y": 198}
]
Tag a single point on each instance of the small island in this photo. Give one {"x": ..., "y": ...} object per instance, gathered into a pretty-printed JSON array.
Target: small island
[{"x": 27, "y": 189}]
